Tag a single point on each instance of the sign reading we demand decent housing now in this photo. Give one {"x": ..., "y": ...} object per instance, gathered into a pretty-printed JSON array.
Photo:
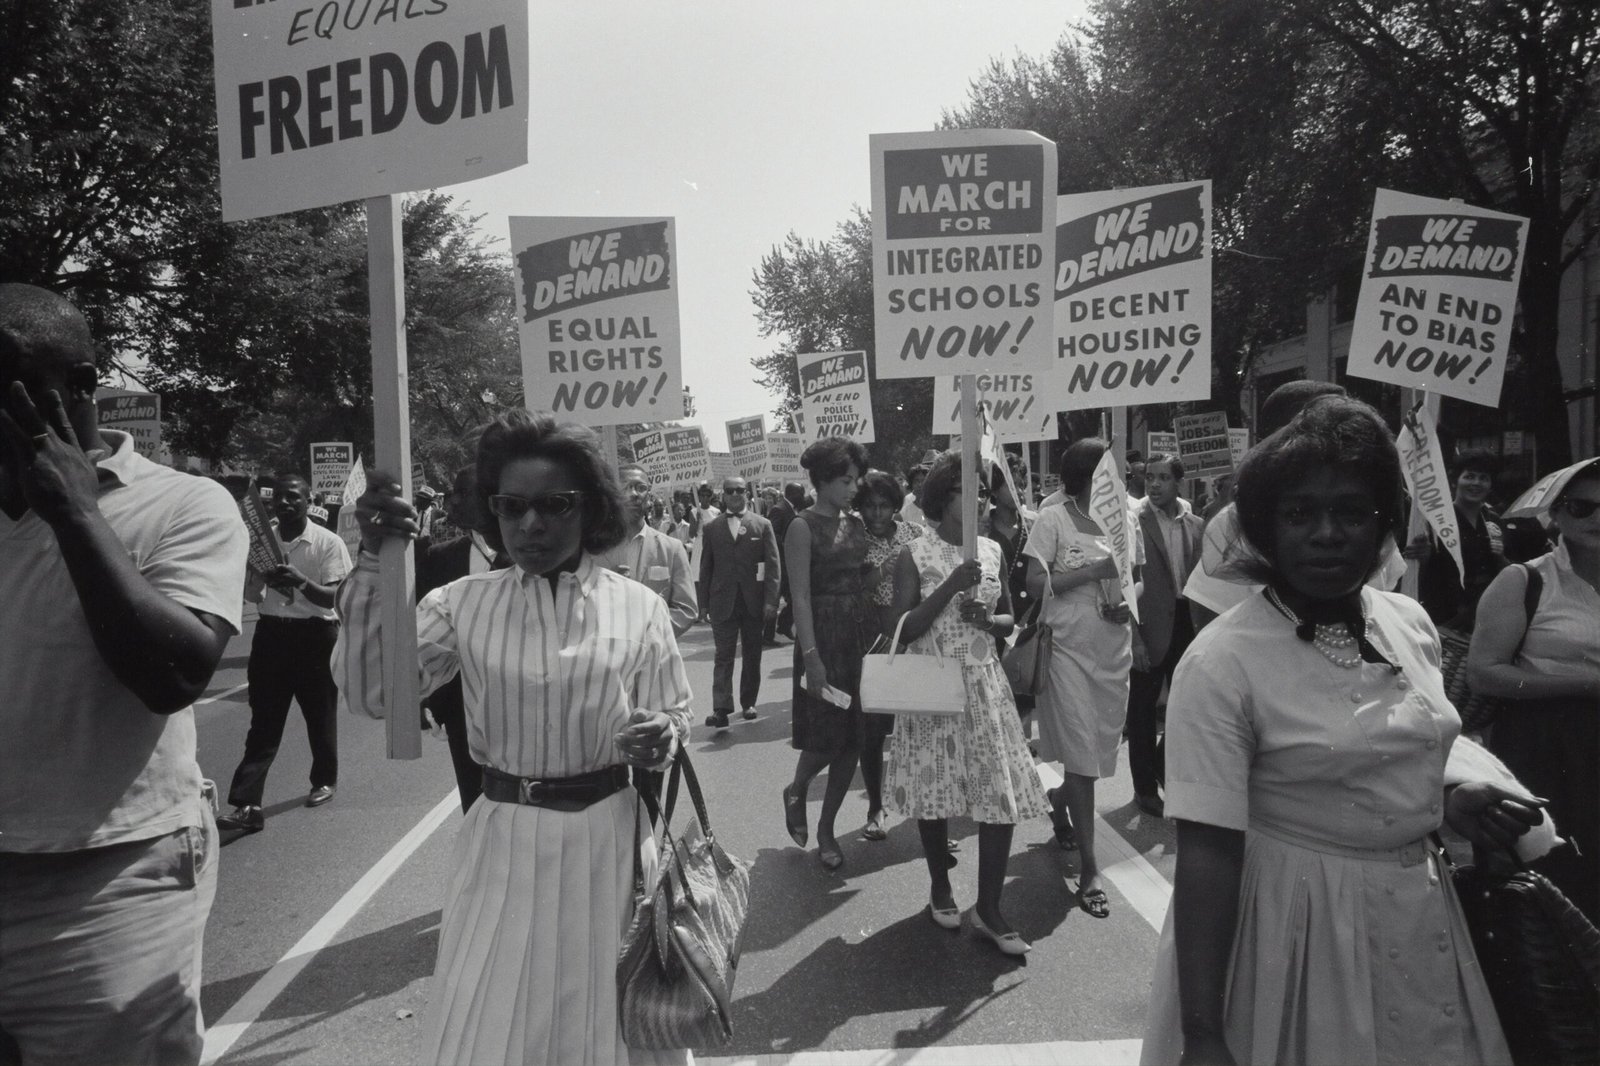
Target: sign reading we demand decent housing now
[
  {"x": 597, "y": 309},
  {"x": 324, "y": 101},
  {"x": 1437, "y": 296}
]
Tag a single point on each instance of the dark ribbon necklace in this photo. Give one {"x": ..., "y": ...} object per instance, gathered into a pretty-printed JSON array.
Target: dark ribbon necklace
[{"x": 1345, "y": 611}]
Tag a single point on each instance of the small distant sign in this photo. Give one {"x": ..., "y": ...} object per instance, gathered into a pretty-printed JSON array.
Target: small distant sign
[
  {"x": 1203, "y": 443},
  {"x": 138, "y": 414}
]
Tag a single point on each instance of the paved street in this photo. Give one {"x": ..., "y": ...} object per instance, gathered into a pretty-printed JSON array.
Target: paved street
[{"x": 322, "y": 940}]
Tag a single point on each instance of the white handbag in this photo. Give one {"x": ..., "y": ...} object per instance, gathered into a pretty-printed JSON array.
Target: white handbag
[{"x": 893, "y": 683}]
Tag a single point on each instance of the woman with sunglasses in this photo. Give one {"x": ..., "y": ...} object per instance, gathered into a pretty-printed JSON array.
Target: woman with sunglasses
[
  {"x": 1307, "y": 735},
  {"x": 571, "y": 676},
  {"x": 1547, "y": 669}
]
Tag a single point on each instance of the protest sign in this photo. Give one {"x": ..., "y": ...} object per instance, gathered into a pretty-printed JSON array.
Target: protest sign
[
  {"x": 1238, "y": 444},
  {"x": 330, "y": 466},
  {"x": 266, "y": 551},
  {"x": 684, "y": 456},
  {"x": 138, "y": 414},
  {"x": 349, "y": 530},
  {"x": 963, "y": 252},
  {"x": 1438, "y": 292},
  {"x": 597, "y": 313},
  {"x": 318, "y": 103},
  {"x": 719, "y": 467},
  {"x": 650, "y": 452},
  {"x": 783, "y": 456},
  {"x": 747, "y": 439},
  {"x": 1133, "y": 296},
  {"x": 837, "y": 396},
  {"x": 1203, "y": 443},
  {"x": 1428, "y": 479},
  {"x": 1158, "y": 442},
  {"x": 1016, "y": 405},
  {"x": 1108, "y": 503}
]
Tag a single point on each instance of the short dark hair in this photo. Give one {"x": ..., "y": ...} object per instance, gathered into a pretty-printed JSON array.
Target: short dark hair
[
  {"x": 43, "y": 335},
  {"x": 1479, "y": 460},
  {"x": 1078, "y": 462},
  {"x": 794, "y": 492},
  {"x": 876, "y": 483},
  {"x": 1334, "y": 431},
  {"x": 286, "y": 477},
  {"x": 518, "y": 435},
  {"x": 1288, "y": 400},
  {"x": 1134, "y": 456},
  {"x": 1169, "y": 459},
  {"x": 830, "y": 457},
  {"x": 942, "y": 485}
]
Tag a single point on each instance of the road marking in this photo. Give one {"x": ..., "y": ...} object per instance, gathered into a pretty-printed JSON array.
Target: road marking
[
  {"x": 223, "y": 694},
  {"x": 1053, "y": 1053},
  {"x": 1139, "y": 882},
  {"x": 223, "y": 1035}
]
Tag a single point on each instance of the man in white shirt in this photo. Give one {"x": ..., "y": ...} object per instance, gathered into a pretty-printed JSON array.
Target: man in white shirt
[
  {"x": 650, "y": 556},
  {"x": 289, "y": 658}
]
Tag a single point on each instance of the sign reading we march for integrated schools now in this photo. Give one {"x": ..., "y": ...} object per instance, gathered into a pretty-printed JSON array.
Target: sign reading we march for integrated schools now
[
  {"x": 1133, "y": 296},
  {"x": 1438, "y": 292},
  {"x": 963, "y": 252},
  {"x": 597, "y": 311},
  {"x": 322, "y": 102},
  {"x": 836, "y": 395}
]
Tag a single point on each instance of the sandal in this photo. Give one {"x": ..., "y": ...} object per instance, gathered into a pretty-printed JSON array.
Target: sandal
[
  {"x": 794, "y": 816},
  {"x": 1094, "y": 902},
  {"x": 874, "y": 829},
  {"x": 830, "y": 855},
  {"x": 1066, "y": 839}
]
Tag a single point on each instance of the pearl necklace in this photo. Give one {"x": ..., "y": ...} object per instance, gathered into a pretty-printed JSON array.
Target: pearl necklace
[{"x": 1331, "y": 640}]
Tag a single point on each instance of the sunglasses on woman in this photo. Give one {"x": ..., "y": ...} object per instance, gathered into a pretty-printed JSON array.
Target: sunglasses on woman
[
  {"x": 550, "y": 505},
  {"x": 1577, "y": 508}
]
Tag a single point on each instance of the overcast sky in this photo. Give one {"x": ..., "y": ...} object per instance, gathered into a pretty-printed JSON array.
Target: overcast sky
[{"x": 743, "y": 121}]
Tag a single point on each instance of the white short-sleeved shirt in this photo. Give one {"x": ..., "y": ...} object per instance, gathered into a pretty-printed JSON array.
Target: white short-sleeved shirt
[
  {"x": 319, "y": 554},
  {"x": 84, "y": 763}
]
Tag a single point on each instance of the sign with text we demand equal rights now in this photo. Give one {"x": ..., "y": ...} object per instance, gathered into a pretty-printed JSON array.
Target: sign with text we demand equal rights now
[
  {"x": 322, "y": 102},
  {"x": 963, "y": 252},
  {"x": 597, "y": 311}
]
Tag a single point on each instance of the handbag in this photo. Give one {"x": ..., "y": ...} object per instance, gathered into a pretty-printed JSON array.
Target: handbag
[
  {"x": 898, "y": 683},
  {"x": 1540, "y": 958},
  {"x": 1478, "y": 712},
  {"x": 680, "y": 953},
  {"x": 1027, "y": 661}
]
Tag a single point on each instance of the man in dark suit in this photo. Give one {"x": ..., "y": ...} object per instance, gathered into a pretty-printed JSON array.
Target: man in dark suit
[
  {"x": 739, "y": 570},
  {"x": 1172, "y": 537},
  {"x": 791, "y": 503}
]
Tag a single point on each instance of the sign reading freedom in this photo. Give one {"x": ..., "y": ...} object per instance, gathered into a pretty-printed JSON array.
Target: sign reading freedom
[{"x": 318, "y": 103}]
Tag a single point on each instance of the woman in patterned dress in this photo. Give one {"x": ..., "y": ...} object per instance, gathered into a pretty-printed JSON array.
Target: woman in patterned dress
[{"x": 975, "y": 764}]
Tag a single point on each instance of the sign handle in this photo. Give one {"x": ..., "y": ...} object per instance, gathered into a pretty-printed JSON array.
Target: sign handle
[
  {"x": 970, "y": 428},
  {"x": 608, "y": 441},
  {"x": 392, "y": 432}
]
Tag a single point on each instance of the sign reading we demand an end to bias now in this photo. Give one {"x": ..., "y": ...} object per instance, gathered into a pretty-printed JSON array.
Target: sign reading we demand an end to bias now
[
  {"x": 963, "y": 250},
  {"x": 836, "y": 395},
  {"x": 322, "y": 101},
  {"x": 1133, "y": 296},
  {"x": 597, "y": 309},
  {"x": 1438, "y": 292}
]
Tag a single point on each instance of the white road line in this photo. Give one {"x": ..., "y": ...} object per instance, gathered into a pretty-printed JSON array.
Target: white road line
[
  {"x": 223, "y": 1035},
  {"x": 1053, "y": 1053},
  {"x": 1139, "y": 882},
  {"x": 222, "y": 695}
]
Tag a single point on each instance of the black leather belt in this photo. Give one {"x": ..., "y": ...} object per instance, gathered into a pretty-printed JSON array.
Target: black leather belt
[{"x": 555, "y": 793}]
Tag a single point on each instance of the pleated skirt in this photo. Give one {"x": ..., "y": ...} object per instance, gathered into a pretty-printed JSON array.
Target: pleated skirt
[{"x": 528, "y": 943}]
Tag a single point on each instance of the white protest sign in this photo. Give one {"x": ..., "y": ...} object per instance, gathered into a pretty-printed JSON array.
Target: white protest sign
[
  {"x": 1203, "y": 443},
  {"x": 650, "y": 452},
  {"x": 719, "y": 467},
  {"x": 1133, "y": 296},
  {"x": 1016, "y": 406},
  {"x": 783, "y": 456},
  {"x": 1160, "y": 442},
  {"x": 1438, "y": 292},
  {"x": 747, "y": 439},
  {"x": 355, "y": 484},
  {"x": 318, "y": 103},
  {"x": 1108, "y": 504},
  {"x": 1238, "y": 444},
  {"x": 330, "y": 466},
  {"x": 597, "y": 312},
  {"x": 1428, "y": 480},
  {"x": 963, "y": 252},
  {"x": 837, "y": 395},
  {"x": 685, "y": 456},
  {"x": 138, "y": 414}
]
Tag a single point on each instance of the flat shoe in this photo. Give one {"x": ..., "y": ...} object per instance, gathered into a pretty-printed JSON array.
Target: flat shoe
[
  {"x": 874, "y": 829},
  {"x": 749, "y": 714},
  {"x": 831, "y": 857},
  {"x": 1094, "y": 902},
  {"x": 1009, "y": 944},
  {"x": 945, "y": 918},
  {"x": 320, "y": 795},
  {"x": 794, "y": 817},
  {"x": 1066, "y": 839},
  {"x": 1151, "y": 805},
  {"x": 717, "y": 721}
]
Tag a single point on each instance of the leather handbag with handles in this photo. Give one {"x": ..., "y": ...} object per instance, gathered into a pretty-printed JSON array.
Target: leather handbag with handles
[
  {"x": 1027, "y": 661},
  {"x": 681, "y": 951},
  {"x": 900, "y": 683}
]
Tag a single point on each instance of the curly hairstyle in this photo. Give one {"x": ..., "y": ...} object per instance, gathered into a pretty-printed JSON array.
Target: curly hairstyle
[
  {"x": 876, "y": 484},
  {"x": 830, "y": 457},
  {"x": 1078, "y": 462},
  {"x": 943, "y": 484},
  {"x": 1334, "y": 432},
  {"x": 518, "y": 435}
]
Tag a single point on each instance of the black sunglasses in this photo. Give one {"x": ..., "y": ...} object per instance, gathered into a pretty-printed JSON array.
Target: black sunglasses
[
  {"x": 1577, "y": 508},
  {"x": 550, "y": 505}
]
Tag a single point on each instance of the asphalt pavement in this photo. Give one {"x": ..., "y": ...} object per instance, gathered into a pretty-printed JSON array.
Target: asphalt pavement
[{"x": 322, "y": 939}]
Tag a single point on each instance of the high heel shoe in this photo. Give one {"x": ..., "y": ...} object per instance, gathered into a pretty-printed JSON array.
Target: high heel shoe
[
  {"x": 794, "y": 816},
  {"x": 1009, "y": 944},
  {"x": 945, "y": 917}
]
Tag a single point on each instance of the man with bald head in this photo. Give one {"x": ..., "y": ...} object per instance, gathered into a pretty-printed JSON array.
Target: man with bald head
[
  {"x": 122, "y": 582},
  {"x": 739, "y": 570}
]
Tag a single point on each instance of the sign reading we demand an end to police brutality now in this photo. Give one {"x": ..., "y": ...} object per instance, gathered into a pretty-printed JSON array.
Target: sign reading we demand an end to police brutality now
[
  {"x": 963, "y": 252},
  {"x": 1133, "y": 296},
  {"x": 597, "y": 310},
  {"x": 322, "y": 101},
  {"x": 1438, "y": 292},
  {"x": 836, "y": 395}
]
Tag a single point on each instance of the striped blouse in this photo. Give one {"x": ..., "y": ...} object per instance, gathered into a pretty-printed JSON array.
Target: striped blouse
[{"x": 548, "y": 677}]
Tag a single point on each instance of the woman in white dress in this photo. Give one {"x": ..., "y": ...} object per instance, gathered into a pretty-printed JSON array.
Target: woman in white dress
[
  {"x": 571, "y": 675},
  {"x": 1307, "y": 733}
]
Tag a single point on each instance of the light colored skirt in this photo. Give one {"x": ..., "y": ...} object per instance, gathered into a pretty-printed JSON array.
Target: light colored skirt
[{"x": 1083, "y": 708}]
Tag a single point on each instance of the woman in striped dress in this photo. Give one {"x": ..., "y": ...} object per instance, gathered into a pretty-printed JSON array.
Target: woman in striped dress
[{"x": 570, "y": 674}]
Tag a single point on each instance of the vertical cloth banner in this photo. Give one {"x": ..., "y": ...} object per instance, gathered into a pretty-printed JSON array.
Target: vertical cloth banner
[
  {"x": 138, "y": 414},
  {"x": 747, "y": 440},
  {"x": 963, "y": 252},
  {"x": 837, "y": 395},
  {"x": 684, "y": 456},
  {"x": 1438, "y": 293},
  {"x": 1108, "y": 503},
  {"x": 597, "y": 316},
  {"x": 1204, "y": 444},
  {"x": 349, "y": 530},
  {"x": 1428, "y": 480},
  {"x": 783, "y": 456},
  {"x": 1133, "y": 296},
  {"x": 319, "y": 103},
  {"x": 330, "y": 466},
  {"x": 1017, "y": 406}
]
